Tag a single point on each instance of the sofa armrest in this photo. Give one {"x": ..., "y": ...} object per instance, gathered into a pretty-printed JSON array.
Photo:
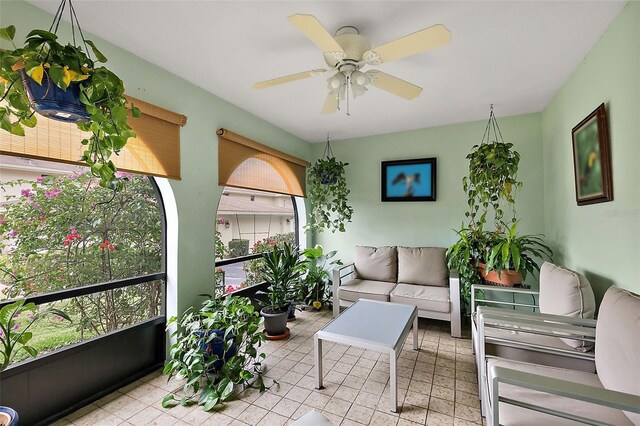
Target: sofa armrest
[
  {"x": 559, "y": 387},
  {"x": 454, "y": 298},
  {"x": 339, "y": 275},
  {"x": 509, "y": 290}
]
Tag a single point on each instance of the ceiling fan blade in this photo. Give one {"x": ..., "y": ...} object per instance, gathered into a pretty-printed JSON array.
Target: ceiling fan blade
[
  {"x": 394, "y": 85},
  {"x": 331, "y": 104},
  {"x": 314, "y": 30},
  {"x": 411, "y": 44},
  {"x": 288, "y": 78}
]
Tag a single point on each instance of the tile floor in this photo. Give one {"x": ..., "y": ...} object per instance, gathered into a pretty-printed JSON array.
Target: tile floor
[{"x": 436, "y": 385}]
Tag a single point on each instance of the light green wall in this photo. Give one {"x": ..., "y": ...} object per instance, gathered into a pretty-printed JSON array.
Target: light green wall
[
  {"x": 600, "y": 240},
  {"x": 198, "y": 193},
  {"x": 429, "y": 223}
]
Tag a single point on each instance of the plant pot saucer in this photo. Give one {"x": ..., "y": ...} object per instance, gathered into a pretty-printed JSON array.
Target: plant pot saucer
[{"x": 278, "y": 336}]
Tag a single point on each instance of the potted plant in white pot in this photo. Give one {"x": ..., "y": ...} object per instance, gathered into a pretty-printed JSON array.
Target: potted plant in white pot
[{"x": 281, "y": 270}]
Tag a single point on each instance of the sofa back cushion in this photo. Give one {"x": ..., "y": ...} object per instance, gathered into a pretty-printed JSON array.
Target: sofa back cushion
[
  {"x": 568, "y": 293},
  {"x": 618, "y": 343},
  {"x": 377, "y": 263},
  {"x": 423, "y": 266}
]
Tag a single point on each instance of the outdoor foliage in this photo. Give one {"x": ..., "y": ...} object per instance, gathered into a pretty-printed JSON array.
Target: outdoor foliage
[
  {"x": 67, "y": 231},
  {"x": 254, "y": 268},
  {"x": 14, "y": 329},
  {"x": 238, "y": 248},
  {"x": 230, "y": 323}
]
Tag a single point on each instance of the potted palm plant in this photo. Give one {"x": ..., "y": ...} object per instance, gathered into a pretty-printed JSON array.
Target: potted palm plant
[
  {"x": 281, "y": 270},
  {"x": 215, "y": 349},
  {"x": 63, "y": 82}
]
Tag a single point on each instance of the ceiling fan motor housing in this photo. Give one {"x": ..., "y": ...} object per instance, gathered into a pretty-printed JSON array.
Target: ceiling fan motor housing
[{"x": 354, "y": 46}]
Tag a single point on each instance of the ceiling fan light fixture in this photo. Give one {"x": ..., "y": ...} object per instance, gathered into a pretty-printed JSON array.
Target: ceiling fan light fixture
[
  {"x": 358, "y": 78},
  {"x": 338, "y": 80}
]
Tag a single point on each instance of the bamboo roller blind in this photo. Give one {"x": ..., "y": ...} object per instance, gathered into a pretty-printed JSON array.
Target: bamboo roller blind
[
  {"x": 245, "y": 163},
  {"x": 155, "y": 151}
]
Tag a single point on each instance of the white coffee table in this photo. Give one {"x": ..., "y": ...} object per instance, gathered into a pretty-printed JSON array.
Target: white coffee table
[{"x": 369, "y": 324}]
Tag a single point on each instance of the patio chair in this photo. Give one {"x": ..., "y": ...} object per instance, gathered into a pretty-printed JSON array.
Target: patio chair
[
  {"x": 521, "y": 393},
  {"x": 562, "y": 293}
]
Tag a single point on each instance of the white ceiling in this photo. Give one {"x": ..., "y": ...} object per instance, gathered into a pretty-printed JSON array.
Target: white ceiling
[{"x": 515, "y": 55}]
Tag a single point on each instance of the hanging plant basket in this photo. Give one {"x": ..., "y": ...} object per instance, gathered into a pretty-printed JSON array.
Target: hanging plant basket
[
  {"x": 66, "y": 83},
  {"x": 327, "y": 189},
  {"x": 51, "y": 101}
]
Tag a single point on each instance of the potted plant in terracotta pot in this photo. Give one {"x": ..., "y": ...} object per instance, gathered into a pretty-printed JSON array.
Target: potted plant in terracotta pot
[
  {"x": 64, "y": 83},
  {"x": 281, "y": 270}
]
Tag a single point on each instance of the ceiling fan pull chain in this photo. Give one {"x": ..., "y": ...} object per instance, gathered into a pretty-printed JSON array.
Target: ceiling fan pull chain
[{"x": 347, "y": 94}]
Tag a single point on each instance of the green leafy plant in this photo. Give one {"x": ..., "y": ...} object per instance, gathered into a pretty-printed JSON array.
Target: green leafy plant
[
  {"x": 492, "y": 181},
  {"x": 315, "y": 286},
  {"x": 254, "y": 268},
  {"x": 235, "y": 322},
  {"x": 14, "y": 329},
  {"x": 281, "y": 269},
  {"x": 46, "y": 61},
  {"x": 510, "y": 251},
  {"x": 463, "y": 255},
  {"x": 327, "y": 191}
]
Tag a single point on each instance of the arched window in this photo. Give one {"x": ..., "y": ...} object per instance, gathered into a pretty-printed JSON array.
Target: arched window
[
  {"x": 250, "y": 222},
  {"x": 60, "y": 232}
]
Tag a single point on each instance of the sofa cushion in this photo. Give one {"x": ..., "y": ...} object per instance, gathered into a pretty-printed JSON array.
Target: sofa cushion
[
  {"x": 426, "y": 298},
  {"x": 568, "y": 293},
  {"x": 377, "y": 263},
  {"x": 618, "y": 343},
  {"x": 423, "y": 265},
  {"x": 365, "y": 289},
  {"x": 512, "y": 415}
]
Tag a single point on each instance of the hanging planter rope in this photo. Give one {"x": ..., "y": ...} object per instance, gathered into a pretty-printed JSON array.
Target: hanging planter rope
[{"x": 63, "y": 83}]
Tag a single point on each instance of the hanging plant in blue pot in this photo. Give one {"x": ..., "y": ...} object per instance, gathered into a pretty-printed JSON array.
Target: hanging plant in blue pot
[{"x": 65, "y": 83}]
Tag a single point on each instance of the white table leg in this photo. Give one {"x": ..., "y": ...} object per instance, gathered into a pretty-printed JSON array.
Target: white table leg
[
  {"x": 317, "y": 350},
  {"x": 393, "y": 382},
  {"x": 415, "y": 334}
]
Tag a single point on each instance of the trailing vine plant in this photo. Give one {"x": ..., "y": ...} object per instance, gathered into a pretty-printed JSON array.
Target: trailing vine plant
[
  {"x": 327, "y": 189},
  {"x": 43, "y": 61}
]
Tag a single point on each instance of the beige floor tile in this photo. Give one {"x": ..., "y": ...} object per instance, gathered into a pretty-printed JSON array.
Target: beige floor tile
[
  {"x": 337, "y": 406},
  {"x": 442, "y": 406},
  {"x": 438, "y": 419},
  {"x": 383, "y": 419},
  {"x": 301, "y": 411},
  {"x": 413, "y": 413},
  {"x": 359, "y": 414},
  {"x": 333, "y": 418},
  {"x": 298, "y": 394},
  {"x": 346, "y": 393},
  {"x": 467, "y": 413},
  {"x": 317, "y": 400},
  {"x": 252, "y": 415},
  {"x": 367, "y": 399},
  {"x": 461, "y": 422},
  {"x": 443, "y": 393},
  {"x": 286, "y": 407},
  {"x": 267, "y": 400},
  {"x": 273, "y": 419},
  {"x": 234, "y": 408},
  {"x": 417, "y": 398},
  {"x": 145, "y": 416}
]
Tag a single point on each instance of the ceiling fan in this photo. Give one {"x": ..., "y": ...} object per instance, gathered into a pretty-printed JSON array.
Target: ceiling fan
[{"x": 348, "y": 52}]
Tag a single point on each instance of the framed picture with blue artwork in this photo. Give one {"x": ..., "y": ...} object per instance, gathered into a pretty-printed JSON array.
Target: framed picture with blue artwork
[{"x": 409, "y": 180}]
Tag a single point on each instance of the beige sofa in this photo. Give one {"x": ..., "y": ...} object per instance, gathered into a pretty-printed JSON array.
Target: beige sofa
[{"x": 415, "y": 276}]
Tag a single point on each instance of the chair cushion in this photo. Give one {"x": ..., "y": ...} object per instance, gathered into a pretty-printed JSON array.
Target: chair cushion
[
  {"x": 423, "y": 265},
  {"x": 512, "y": 415},
  {"x": 377, "y": 263},
  {"x": 618, "y": 343},
  {"x": 424, "y": 297},
  {"x": 568, "y": 293},
  {"x": 365, "y": 289}
]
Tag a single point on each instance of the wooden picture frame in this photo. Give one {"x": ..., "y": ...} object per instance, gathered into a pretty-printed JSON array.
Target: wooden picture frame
[
  {"x": 592, "y": 159},
  {"x": 409, "y": 180}
]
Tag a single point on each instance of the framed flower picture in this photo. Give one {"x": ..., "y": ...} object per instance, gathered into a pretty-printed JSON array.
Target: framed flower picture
[{"x": 592, "y": 159}]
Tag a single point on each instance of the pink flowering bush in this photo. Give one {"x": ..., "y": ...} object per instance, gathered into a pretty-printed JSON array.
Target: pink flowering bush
[{"x": 67, "y": 231}]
